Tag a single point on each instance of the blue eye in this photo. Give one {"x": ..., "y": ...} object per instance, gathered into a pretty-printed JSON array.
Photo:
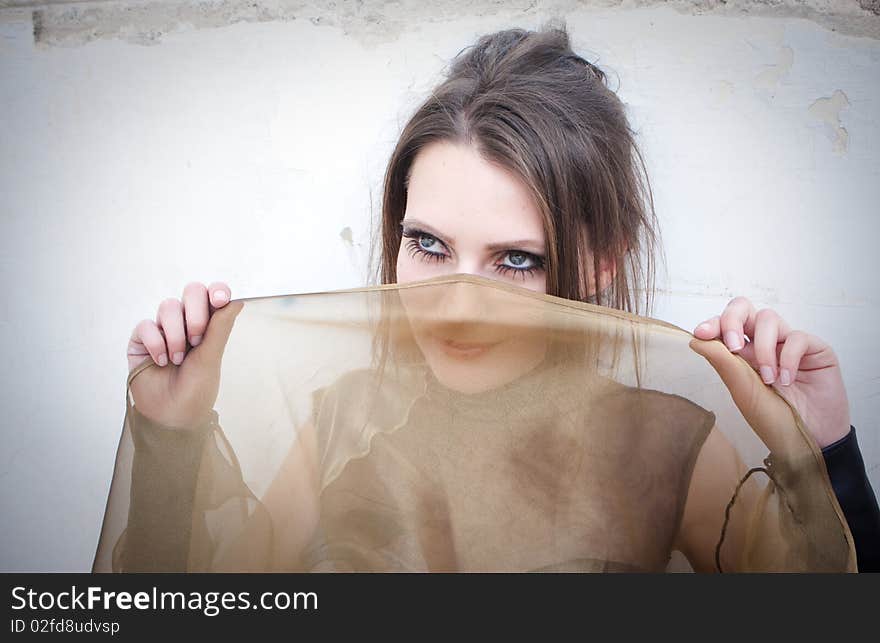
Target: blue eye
[
  {"x": 430, "y": 241},
  {"x": 518, "y": 259},
  {"x": 418, "y": 244},
  {"x": 520, "y": 262}
]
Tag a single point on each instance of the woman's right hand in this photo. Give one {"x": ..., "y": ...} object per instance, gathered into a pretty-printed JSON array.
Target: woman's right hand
[{"x": 186, "y": 342}]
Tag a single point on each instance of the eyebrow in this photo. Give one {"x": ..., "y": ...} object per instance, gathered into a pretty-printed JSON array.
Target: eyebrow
[{"x": 533, "y": 244}]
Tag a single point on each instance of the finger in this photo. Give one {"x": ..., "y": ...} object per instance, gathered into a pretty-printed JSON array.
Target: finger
[
  {"x": 769, "y": 330},
  {"x": 195, "y": 311},
  {"x": 766, "y": 411},
  {"x": 220, "y": 294},
  {"x": 747, "y": 352},
  {"x": 709, "y": 329},
  {"x": 217, "y": 334},
  {"x": 737, "y": 375},
  {"x": 737, "y": 320},
  {"x": 796, "y": 344},
  {"x": 170, "y": 321},
  {"x": 147, "y": 340}
]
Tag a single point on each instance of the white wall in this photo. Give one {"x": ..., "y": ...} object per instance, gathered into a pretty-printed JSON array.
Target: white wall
[{"x": 241, "y": 152}]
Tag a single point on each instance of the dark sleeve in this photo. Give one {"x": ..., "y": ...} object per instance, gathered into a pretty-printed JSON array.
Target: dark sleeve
[{"x": 846, "y": 469}]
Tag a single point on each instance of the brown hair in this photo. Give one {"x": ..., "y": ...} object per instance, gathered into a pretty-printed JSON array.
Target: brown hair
[{"x": 528, "y": 103}]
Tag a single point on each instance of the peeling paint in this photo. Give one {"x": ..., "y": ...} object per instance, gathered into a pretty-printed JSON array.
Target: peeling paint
[
  {"x": 827, "y": 110},
  {"x": 346, "y": 236},
  {"x": 871, "y": 5},
  {"x": 772, "y": 74},
  {"x": 372, "y": 22}
]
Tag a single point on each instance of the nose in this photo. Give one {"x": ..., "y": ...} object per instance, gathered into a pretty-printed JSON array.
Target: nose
[
  {"x": 462, "y": 302},
  {"x": 463, "y": 314}
]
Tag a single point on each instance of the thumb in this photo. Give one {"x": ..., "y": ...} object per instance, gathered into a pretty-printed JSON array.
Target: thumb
[
  {"x": 762, "y": 407},
  {"x": 210, "y": 351}
]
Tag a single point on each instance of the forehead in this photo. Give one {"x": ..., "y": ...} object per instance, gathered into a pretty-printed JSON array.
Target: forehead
[{"x": 453, "y": 188}]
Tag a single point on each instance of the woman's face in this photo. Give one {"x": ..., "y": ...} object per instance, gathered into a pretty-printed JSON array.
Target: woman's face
[{"x": 465, "y": 215}]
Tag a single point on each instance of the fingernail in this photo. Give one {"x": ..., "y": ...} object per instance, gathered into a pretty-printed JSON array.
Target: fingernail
[
  {"x": 731, "y": 338},
  {"x": 177, "y": 358},
  {"x": 767, "y": 374},
  {"x": 220, "y": 296},
  {"x": 196, "y": 340},
  {"x": 784, "y": 377},
  {"x": 703, "y": 326},
  {"x": 163, "y": 359}
]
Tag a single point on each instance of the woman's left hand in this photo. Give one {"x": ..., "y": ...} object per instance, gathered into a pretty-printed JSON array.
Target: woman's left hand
[{"x": 801, "y": 367}]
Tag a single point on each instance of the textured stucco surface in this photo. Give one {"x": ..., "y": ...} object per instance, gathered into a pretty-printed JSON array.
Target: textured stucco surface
[{"x": 374, "y": 21}]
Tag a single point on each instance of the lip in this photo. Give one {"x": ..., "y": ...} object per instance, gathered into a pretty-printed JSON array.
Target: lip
[{"x": 464, "y": 349}]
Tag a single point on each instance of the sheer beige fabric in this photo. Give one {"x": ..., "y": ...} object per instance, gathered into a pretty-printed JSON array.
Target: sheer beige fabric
[{"x": 348, "y": 433}]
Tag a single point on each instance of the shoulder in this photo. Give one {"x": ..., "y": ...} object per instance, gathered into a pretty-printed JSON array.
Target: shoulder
[
  {"x": 359, "y": 389},
  {"x": 344, "y": 385},
  {"x": 366, "y": 396},
  {"x": 657, "y": 414},
  {"x": 652, "y": 401}
]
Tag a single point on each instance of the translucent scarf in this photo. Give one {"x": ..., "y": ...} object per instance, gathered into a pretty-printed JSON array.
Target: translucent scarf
[{"x": 461, "y": 424}]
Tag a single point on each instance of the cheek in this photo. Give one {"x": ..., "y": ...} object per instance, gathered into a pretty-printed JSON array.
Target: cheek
[
  {"x": 541, "y": 285},
  {"x": 538, "y": 283}
]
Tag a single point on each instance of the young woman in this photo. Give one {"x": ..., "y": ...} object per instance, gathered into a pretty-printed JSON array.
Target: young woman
[{"x": 522, "y": 167}]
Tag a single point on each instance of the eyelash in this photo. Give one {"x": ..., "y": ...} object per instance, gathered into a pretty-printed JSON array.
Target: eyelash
[{"x": 416, "y": 249}]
